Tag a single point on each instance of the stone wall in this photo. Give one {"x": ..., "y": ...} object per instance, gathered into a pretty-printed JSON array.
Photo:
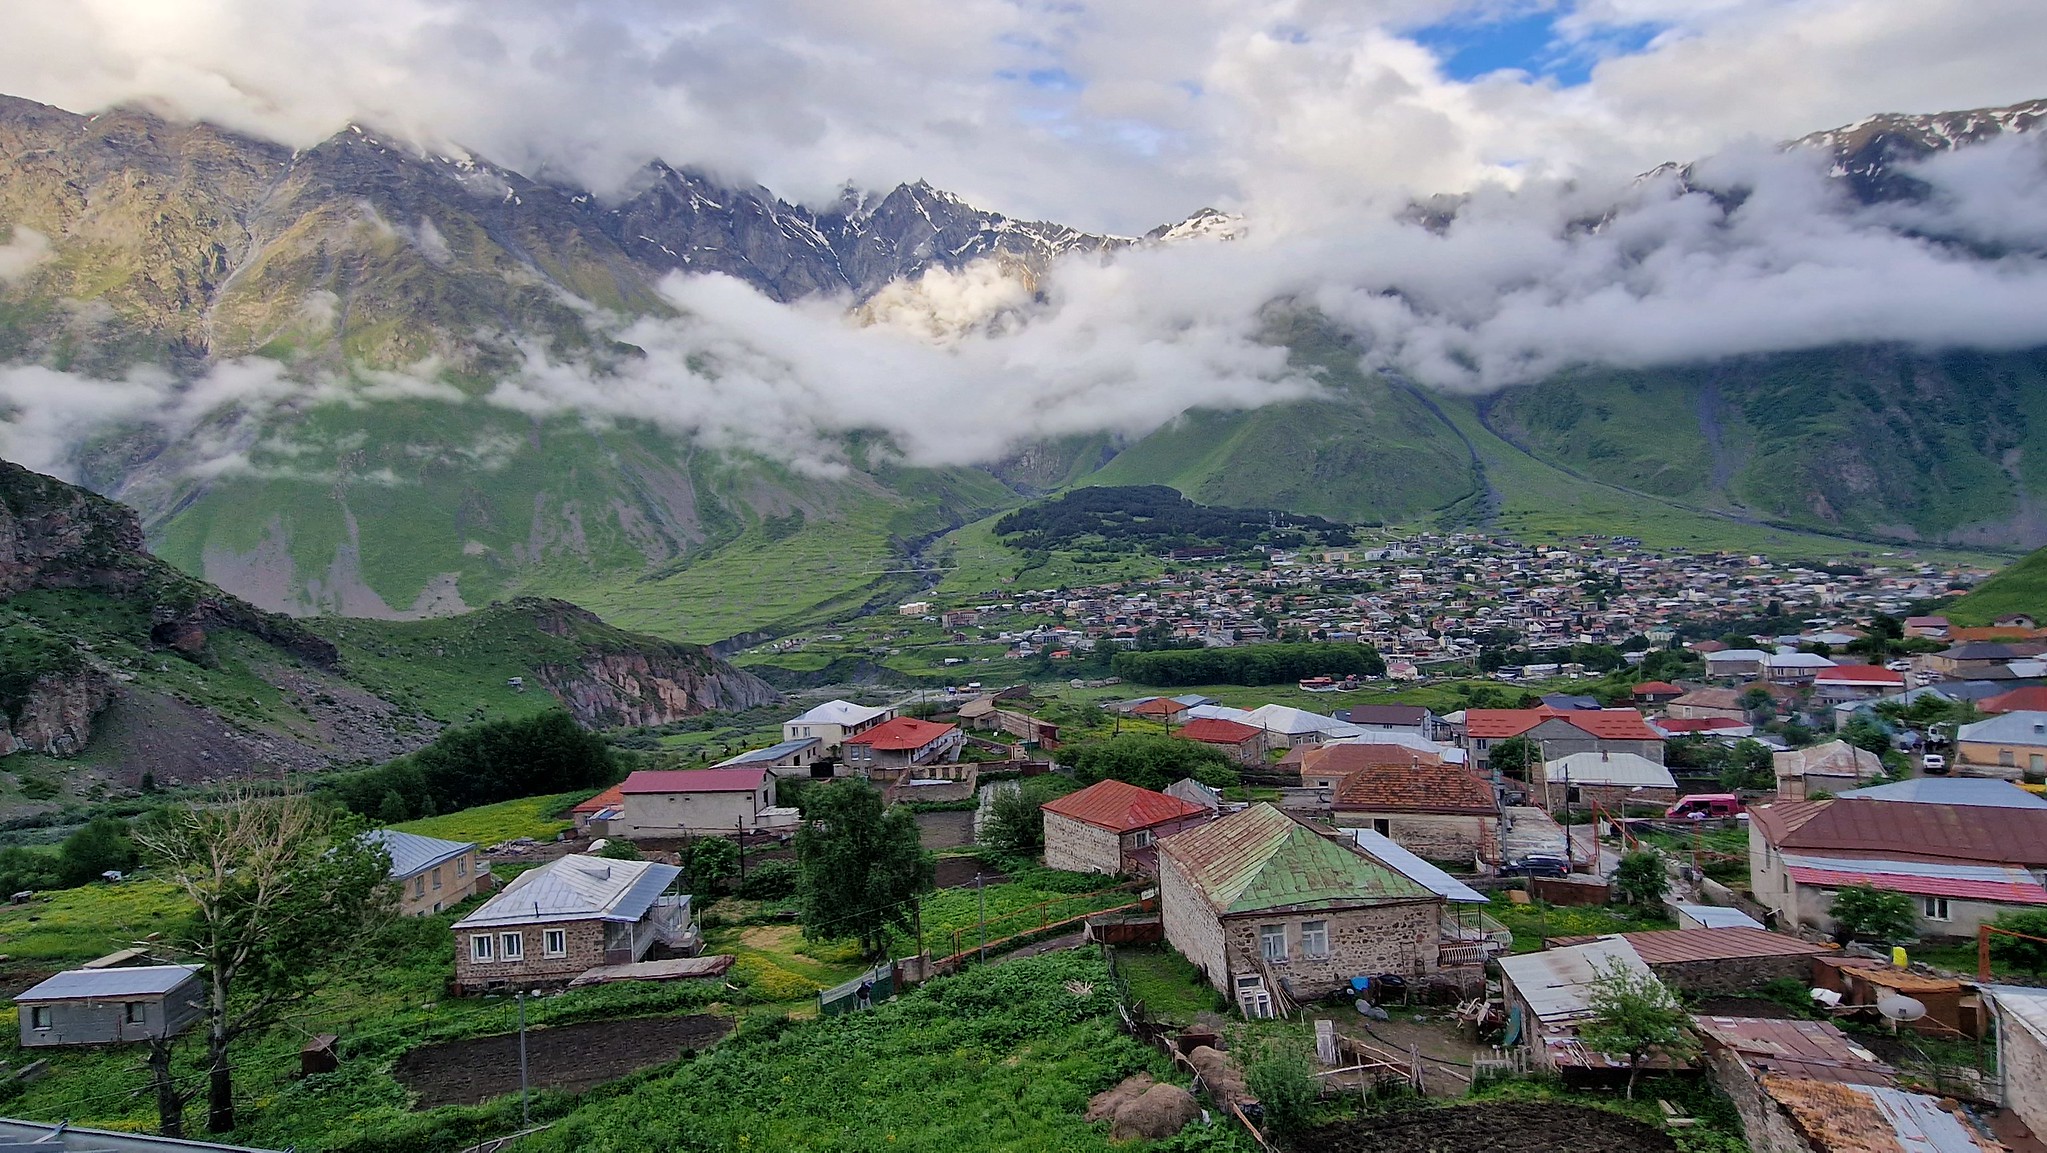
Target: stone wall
[
  {"x": 1739, "y": 976},
  {"x": 1362, "y": 942},
  {"x": 585, "y": 951},
  {"x": 2022, "y": 1064},
  {"x": 1433, "y": 836},
  {"x": 1191, "y": 925},
  {"x": 1079, "y": 847},
  {"x": 1765, "y": 1125}
]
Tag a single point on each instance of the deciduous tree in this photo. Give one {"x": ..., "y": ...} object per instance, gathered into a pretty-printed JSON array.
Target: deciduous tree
[
  {"x": 1867, "y": 913},
  {"x": 1641, "y": 878},
  {"x": 1634, "y": 1015},
  {"x": 862, "y": 865},
  {"x": 1149, "y": 762}
]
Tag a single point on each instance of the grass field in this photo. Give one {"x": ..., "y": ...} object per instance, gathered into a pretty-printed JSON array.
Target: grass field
[
  {"x": 1531, "y": 922},
  {"x": 2019, "y": 589},
  {"x": 1169, "y": 985},
  {"x": 541, "y": 818}
]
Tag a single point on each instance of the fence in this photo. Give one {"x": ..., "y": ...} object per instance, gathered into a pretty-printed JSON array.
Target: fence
[{"x": 846, "y": 998}]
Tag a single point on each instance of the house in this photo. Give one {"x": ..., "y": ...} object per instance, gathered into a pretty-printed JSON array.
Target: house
[
  {"x": 1736, "y": 664},
  {"x": 1931, "y": 628},
  {"x": 431, "y": 874},
  {"x": 1559, "y": 733},
  {"x": 552, "y": 923},
  {"x": 1440, "y": 812},
  {"x": 1549, "y": 995},
  {"x": 1656, "y": 693},
  {"x": 1470, "y": 938},
  {"x": 1243, "y": 744},
  {"x": 1286, "y": 726},
  {"x": 1707, "y": 703},
  {"x": 2024, "y": 699},
  {"x": 1841, "y": 683},
  {"x": 1189, "y": 789},
  {"x": 832, "y": 722},
  {"x": 111, "y": 1006},
  {"x": 1609, "y": 780},
  {"x": 1271, "y": 911},
  {"x": 1390, "y": 719},
  {"x": 2014, "y": 741},
  {"x": 1325, "y": 766},
  {"x": 1974, "y": 659},
  {"x": 594, "y": 816},
  {"x": 1962, "y": 865},
  {"x": 1951, "y": 791},
  {"x": 2021, "y": 1014},
  {"x": 699, "y": 802},
  {"x": 800, "y": 757},
  {"x": 902, "y": 742},
  {"x": 1830, "y": 768},
  {"x": 1795, "y": 668},
  {"x": 1111, "y": 826},
  {"x": 1165, "y": 710},
  {"x": 1728, "y": 960}
]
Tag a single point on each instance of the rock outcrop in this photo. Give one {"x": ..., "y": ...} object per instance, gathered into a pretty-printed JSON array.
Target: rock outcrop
[{"x": 56, "y": 713}]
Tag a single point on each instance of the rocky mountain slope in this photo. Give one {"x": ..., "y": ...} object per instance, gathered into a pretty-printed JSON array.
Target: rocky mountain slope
[{"x": 116, "y": 659}]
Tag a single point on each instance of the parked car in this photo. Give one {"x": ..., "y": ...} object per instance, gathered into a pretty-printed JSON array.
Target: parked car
[
  {"x": 1899, "y": 666},
  {"x": 1537, "y": 865},
  {"x": 1704, "y": 806},
  {"x": 1933, "y": 763}
]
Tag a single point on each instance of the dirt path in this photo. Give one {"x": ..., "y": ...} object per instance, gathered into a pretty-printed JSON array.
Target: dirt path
[
  {"x": 564, "y": 1057},
  {"x": 1520, "y": 1127}
]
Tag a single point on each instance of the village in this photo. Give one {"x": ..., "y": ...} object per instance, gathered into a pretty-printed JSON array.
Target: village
[{"x": 1780, "y": 900}]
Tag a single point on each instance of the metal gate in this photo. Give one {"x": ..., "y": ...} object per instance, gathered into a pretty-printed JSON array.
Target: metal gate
[{"x": 846, "y": 998}]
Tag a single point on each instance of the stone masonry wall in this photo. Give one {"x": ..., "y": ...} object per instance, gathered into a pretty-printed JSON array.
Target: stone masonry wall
[
  {"x": 1362, "y": 942},
  {"x": 1079, "y": 847},
  {"x": 585, "y": 952},
  {"x": 1190, "y": 924}
]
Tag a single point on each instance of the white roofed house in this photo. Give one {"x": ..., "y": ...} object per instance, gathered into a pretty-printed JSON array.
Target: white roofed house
[
  {"x": 431, "y": 874},
  {"x": 1795, "y": 668},
  {"x": 1610, "y": 780},
  {"x": 833, "y": 721},
  {"x": 553, "y": 923}
]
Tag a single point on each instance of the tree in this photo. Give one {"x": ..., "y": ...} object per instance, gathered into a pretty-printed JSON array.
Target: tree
[
  {"x": 711, "y": 861},
  {"x": 1633, "y": 1015},
  {"x": 22, "y": 870},
  {"x": 2018, "y": 952},
  {"x": 1866, "y": 730},
  {"x": 620, "y": 849},
  {"x": 1149, "y": 762},
  {"x": 282, "y": 892},
  {"x": 1748, "y": 765},
  {"x": 1515, "y": 756},
  {"x": 1757, "y": 700},
  {"x": 100, "y": 846},
  {"x": 1014, "y": 824},
  {"x": 861, "y": 865},
  {"x": 1867, "y": 913},
  {"x": 1641, "y": 879}
]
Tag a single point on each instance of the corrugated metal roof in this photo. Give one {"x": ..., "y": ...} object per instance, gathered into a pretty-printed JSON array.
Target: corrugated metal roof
[
  {"x": 579, "y": 888},
  {"x": 1629, "y": 769},
  {"x": 2026, "y": 1007},
  {"x": 1962, "y": 833},
  {"x": 412, "y": 853},
  {"x": 1843, "y": 1118},
  {"x": 841, "y": 713},
  {"x": 1382, "y": 849},
  {"x": 1556, "y": 983},
  {"x": 1413, "y": 788},
  {"x": 1733, "y": 942},
  {"x": 1815, "y": 1050},
  {"x": 770, "y": 754},
  {"x": 2018, "y": 728},
  {"x": 1121, "y": 807},
  {"x": 65, "y": 1137},
  {"x": 1215, "y": 730},
  {"x": 609, "y": 798},
  {"x": 2010, "y": 892},
  {"x": 694, "y": 781},
  {"x": 80, "y": 984},
  {"x": 1296, "y": 722},
  {"x": 1718, "y": 916},
  {"x": 1260, "y": 858},
  {"x": 903, "y": 734}
]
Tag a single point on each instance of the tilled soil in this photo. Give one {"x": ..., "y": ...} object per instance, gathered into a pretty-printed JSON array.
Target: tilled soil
[
  {"x": 572, "y": 1057},
  {"x": 958, "y": 873},
  {"x": 1519, "y": 1127}
]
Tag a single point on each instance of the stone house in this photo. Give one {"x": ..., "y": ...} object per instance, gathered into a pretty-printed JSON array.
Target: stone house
[
  {"x": 902, "y": 742},
  {"x": 1962, "y": 865},
  {"x": 91, "y": 1006},
  {"x": 431, "y": 874},
  {"x": 554, "y": 923},
  {"x": 1325, "y": 766},
  {"x": 1437, "y": 812},
  {"x": 1708, "y": 704},
  {"x": 1273, "y": 912},
  {"x": 1243, "y": 744},
  {"x": 1111, "y": 827},
  {"x": 2021, "y": 1014},
  {"x": 696, "y": 802}
]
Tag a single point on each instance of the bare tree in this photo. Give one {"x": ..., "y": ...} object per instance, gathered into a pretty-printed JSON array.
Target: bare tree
[{"x": 283, "y": 892}]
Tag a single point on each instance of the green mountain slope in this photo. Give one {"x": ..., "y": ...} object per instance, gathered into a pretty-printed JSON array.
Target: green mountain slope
[{"x": 2018, "y": 590}]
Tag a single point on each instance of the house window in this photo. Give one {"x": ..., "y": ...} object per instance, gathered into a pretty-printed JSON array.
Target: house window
[
  {"x": 1382, "y": 826},
  {"x": 1935, "y": 908},
  {"x": 437, "y": 878},
  {"x": 515, "y": 947},
  {"x": 1315, "y": 940},
  {"x": 39, "y": 1018},
  {"x": 419, "y": 886},
  {"x": 1141, "y": 839},
  {"x": 461, "y": 867},
  {"x": 481, "y": 947},
  {"x": 2005, "y": 758},
  {"x": 135, "y": 1012},
  {"x": 1272, "y": 942},
  {"x": 555, "y": 942}
]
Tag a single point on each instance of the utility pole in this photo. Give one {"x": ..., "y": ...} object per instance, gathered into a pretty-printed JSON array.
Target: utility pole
[{"x": 525, "y": 1111}]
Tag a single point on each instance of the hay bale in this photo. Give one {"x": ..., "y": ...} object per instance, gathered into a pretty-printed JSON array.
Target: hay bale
[
  {"x": 1104, "y": 1105},
  {"x": 1162, "y": 1111},
  {"x": 1220, "y": 1075}
]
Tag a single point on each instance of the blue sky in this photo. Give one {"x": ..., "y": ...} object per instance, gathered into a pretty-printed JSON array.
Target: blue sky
[{"x": 1529, "y": 40}]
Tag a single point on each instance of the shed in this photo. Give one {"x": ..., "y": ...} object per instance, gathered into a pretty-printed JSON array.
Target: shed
[
  {"x": 1723, "y": 961},
  {"x": 1712, "y": 917},
  {"x": 111, "y": 1006}
]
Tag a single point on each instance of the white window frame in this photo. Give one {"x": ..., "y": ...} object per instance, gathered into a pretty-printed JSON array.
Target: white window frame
[
  {"x": 1310, "y": 931},
  {"x": 483, "y": 948},
  {"x": 554, "y": 942},
  {"x": 1267, "y": 934},
  {"x": 461, "y": 867},
  {"x": 512, "y": 946},
  {"x": 1936, "y": 908},
  {"x": 39, "y": 1018},
  {"x": 1141, "y": 839}
]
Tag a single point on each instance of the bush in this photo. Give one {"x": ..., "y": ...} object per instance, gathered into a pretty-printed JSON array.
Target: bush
[
  {"x": 1014, "y": 823},
  {"x": 1149, "y": 762},
  {"x": 480, "y": 765},
  {"x": 1283, "y": 1079},
  {"x": 1867, "y": 913},
  {"x": 769, "y": 881},
  {"x": 102, "y": 845}
]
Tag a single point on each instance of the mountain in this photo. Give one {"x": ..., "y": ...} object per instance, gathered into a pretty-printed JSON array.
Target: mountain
[{"x": 119, "y": 663}]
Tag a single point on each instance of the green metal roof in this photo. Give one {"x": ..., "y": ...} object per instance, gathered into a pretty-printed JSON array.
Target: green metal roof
[{"x": 1260, "y": 858}]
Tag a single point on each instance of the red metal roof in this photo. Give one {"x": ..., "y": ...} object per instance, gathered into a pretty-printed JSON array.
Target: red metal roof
[
  {"x": 1159, "y": 707},
  {"x": 1674, "y": 946},
  {"x": 2008, "y": 892},
  {"x": 1416, "y": 788},
  {"x": 1498, "y": 724},
  {"x": 1657, "y": 689},
  {"x": 1965, "y": 833},
  {"x": 1698, "y": 724},
  {"x": 903, "y": 734},
  {"x": 2026, "y": 699},
  {"x": 1613, "y": 724},
  {"x": 1859, "y": 675},
  {"x": 604, "y": 800},
  {"x": 1217, "y": 731},
  {"x": 1349, "y": 758},
  {"x": 694, "y": 781},
  {"x": 1122, "y": 808}
]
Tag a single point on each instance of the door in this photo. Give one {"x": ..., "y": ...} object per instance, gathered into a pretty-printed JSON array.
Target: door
[{"x": 1253, "y": 998}]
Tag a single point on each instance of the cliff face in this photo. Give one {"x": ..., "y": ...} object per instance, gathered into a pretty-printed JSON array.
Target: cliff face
[
  {"x": 56, "y": 714},
  {"x": 612, "y": 690}
]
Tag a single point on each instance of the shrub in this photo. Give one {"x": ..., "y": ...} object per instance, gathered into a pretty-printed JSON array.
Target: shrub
[
  {"x": 1283, "y": 1080},
  {"x": 769, "y": 881}
]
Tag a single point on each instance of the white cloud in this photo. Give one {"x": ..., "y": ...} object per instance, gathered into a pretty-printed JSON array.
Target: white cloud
[{"x": 25, "y": 249}]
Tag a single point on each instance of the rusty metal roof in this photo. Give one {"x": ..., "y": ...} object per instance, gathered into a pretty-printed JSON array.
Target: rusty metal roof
[
  {"x": 1121, "y": 808},
  {"x": 1907, "y": 832},
  {"x": 1217, "y": 731},
  {"x": 1676, "y": 946},
  {"x": 1260, "y": 859},
  {"x": 1414, "y": 788},
  {"x": 1839, "y": 1118},
  {"x": 1814, "y": 1050}
]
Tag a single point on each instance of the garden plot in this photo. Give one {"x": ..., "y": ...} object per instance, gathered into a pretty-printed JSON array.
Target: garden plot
[
  {"x": 572, "y": 1057},
  {"x": 1519, "y": 1127}
]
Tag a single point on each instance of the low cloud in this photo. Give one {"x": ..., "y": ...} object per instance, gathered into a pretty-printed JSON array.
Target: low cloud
[{"x": 25, "y": 248}]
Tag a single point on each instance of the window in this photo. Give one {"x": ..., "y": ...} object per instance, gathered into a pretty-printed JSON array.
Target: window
[
  {"x": 1272, "y": 942},
  {"x": 2005, "y": 758},
  {"x": 480, "y": 947},
  {"x": 39, "y": 1017},
  {"x": 437, "y": 878},
  {"x": 1315, "y": 939},
  {"x": 1935, "y": 908},
  {"x": 514, "y": 947},
  {"x": 419, "y": 886},
  {"x": 555, "y": 942},
  {"x": 1382, "y": 826},
  {"x": 461, "y": 867},
  {"x": 1141, "y": 839},
  {"x": 135, "y": 1012}
]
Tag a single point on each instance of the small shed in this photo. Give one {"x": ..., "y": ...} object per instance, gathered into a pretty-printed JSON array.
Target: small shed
[{"x": 111, "y": 1006}]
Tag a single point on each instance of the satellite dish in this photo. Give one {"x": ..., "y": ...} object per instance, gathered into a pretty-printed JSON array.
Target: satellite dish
[{"x": 1897, "y": 1007}]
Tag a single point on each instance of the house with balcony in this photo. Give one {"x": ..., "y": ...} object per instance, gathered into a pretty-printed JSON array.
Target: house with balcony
[
  {"x": 901, "y": 743},
  {"x": 1111, "y": 827}
]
